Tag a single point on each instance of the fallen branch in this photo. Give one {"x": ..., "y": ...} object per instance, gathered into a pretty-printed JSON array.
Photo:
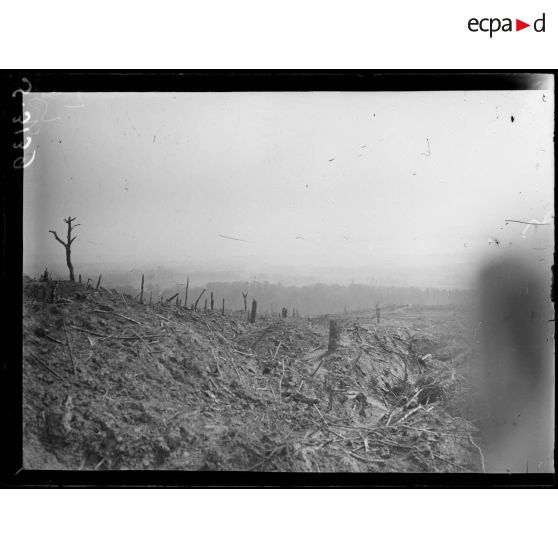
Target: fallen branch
[
  {"x": 69, "y": 346},
  {"x": 217, "y": 363},
  {"x": 53, "y": 339},
  {"x": 46, "y": 366},
  {"x": 172, "y": 297},
  {"x": 406, "y": 416},
  {"x": 121, "y": 315},
  {"x": 144, "y": 342},
  {"x": 281, "y": 378},
  {"x": 103, "y": 336},
  {"x": 166, "y": 319},
  {"x": 319, "y": 366},
  {"x": 277, "y": 350}
]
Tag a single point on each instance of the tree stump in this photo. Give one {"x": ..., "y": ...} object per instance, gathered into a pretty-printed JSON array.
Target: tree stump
[
  {"x": 253, "y": 313},
  {"x": 334, "y": 335}
]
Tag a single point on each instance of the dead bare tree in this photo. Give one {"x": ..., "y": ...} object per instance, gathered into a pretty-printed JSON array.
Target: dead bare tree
[
  {"x": 67, "y": 245},
  {"x": 245, "y": 296}
]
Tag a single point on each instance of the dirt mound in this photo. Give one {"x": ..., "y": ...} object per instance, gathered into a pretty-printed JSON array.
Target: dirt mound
[{"x": 109, "y": 383}]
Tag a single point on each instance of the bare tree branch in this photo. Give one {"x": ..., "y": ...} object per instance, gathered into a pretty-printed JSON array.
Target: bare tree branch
[{"x": 58, "y": 238}]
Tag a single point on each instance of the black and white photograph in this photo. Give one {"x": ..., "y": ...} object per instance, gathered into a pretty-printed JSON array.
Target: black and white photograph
[{"x": 288, "y": 279}]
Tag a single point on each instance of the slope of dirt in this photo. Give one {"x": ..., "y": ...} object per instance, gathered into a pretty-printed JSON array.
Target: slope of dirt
[{"x": 109, "y": 383}]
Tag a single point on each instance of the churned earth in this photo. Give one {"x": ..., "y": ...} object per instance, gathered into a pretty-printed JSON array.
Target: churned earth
[{"x": 109, "y": 383}]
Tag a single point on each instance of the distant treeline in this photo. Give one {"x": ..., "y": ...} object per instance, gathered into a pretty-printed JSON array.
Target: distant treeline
[{"x": 319, "y": 298}]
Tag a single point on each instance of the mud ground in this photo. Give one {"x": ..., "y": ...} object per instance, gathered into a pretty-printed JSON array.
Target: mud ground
[{"x": 163, "y": 387}]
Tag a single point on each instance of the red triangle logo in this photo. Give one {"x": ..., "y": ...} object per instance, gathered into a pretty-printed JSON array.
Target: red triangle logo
[{"x": 519, "y": 25}]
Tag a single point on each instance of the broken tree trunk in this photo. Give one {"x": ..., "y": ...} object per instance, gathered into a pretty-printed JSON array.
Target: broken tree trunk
[
  {"x": 141, "y": 294},
  {"x": 150, "y": 296},
  {"x": 205, "y": 307},
  {"x": 212, "y": 301},
  {"x": 253, "y": 313},
  {"x": 186, "y": 294},
  {"x": 80, "y": 277},
  {"x": 172, "y": 297},
  {"x": 198, "y": 299},
  {"x": 245, "y": 296},
  {"x": 98, "y": 283},
  {"x": 334, "y": 335},
  {"x": 223, "y": 311}
]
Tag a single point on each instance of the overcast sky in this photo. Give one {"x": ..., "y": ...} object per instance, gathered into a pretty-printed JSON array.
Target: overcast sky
[{"x": 307, "y": 180}]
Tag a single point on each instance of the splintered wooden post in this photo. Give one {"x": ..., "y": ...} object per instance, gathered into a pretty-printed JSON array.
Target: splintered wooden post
[
  {"x": 80, "y": 277},
  {"x": 141, "y": 295},
  {"x": 186, "y": 293},
  {"x": 334, "y": 334},
  {"x": 98, "y": 283},
  {"x": 223, "y": 311},
  {"x": 198, "y": 299},
  {"x": 253, "y": 313},
  {"x": 205, "y": 307},
  {"x": 212, "y": 301}
]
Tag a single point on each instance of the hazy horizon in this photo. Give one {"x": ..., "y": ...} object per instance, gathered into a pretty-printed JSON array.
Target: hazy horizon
[{"x": 336, "y": 187}]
